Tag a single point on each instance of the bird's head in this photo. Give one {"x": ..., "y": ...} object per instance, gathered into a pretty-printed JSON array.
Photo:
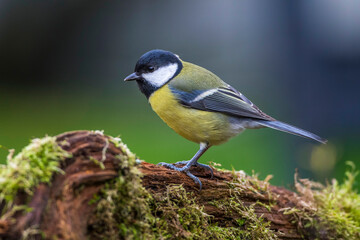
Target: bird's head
[{"x": 154, "y": 69}]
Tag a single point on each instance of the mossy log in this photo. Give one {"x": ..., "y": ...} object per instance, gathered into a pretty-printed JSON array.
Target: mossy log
[{"x": 81, "y": 202}]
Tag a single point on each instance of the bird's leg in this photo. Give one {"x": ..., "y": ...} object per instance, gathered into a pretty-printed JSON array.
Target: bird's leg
[
  {"x": 207, "y": 167},
  {"x": 191, "y": 162}
]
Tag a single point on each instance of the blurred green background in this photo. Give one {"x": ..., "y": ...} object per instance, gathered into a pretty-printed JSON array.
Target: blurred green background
[{"x": 62, "y": 65}]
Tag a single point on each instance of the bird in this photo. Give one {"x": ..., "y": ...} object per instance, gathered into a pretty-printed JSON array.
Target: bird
[{"x": 199, "y": 106}]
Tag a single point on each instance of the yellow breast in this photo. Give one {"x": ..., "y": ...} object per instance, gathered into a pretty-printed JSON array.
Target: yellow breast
[{"x": 194, "y": 125}]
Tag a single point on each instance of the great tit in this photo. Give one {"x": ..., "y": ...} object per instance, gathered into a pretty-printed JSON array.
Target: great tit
[{"x": 198, "y": 105}]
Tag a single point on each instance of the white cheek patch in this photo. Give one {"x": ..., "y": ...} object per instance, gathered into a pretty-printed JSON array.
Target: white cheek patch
[{"x": 160, "y": 76}]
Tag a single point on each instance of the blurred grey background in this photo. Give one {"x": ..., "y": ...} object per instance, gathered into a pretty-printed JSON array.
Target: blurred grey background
[{"x": 62, "y": 65}]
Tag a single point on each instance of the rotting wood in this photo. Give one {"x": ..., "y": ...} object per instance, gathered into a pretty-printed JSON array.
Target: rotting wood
[{"x": 61, "y": 210}]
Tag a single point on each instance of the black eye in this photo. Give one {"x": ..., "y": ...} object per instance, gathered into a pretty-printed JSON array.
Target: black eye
[{"x": 150, "y": 68}]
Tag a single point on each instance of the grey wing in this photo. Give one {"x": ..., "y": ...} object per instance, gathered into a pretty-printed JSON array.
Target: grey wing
[{"x": 223, "y": 99}]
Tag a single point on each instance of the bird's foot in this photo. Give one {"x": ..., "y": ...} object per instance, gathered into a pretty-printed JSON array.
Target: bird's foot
[
  {"x": 194, "y": 178},
  {"x": 207, "y": 167},
  {"x": 186, "y": 168}
]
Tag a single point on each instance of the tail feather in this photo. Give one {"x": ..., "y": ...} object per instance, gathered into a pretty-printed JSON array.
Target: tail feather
[{"x": 291, "y": 129}]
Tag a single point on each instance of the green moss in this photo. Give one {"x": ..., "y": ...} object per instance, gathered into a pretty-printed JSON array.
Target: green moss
[
  {"x": 178, "y": 216},
  {"x": 332, "y": 210},
  {"x": 122, "y": 210},
  {"x": 254, "y": 227},
  {"x": 129, "y": 212},
  {"x": 97, "y": 162},
  {"x": 125, "y": 210},
  {"x": 250, "y": 226},
  {"x": 35, "y": 164}
]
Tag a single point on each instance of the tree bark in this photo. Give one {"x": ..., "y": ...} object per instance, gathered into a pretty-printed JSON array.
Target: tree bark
[{"x": 61, "y": 209}]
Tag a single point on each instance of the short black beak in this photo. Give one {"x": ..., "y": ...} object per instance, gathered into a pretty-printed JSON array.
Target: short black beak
[{"x": 132, "y": 77}]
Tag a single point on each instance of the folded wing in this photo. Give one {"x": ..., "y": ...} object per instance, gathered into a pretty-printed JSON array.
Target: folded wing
[
  {"x": 223, "y": 99},
  {"x": 229, "y": 101}
]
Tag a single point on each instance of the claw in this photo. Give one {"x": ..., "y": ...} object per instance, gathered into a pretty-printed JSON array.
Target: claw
[
  {"x": 186, "y": 168},
  {"x": 198, "y": 165},
  {"x": 195, "y": 179},
  {"x": 188, "y": 164},
  {"x": 171, "y": 166},
  {"x": 206, "y": 167}
]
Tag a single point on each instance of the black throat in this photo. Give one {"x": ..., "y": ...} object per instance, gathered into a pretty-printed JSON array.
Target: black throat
[{"x": 147, "y": 89}]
